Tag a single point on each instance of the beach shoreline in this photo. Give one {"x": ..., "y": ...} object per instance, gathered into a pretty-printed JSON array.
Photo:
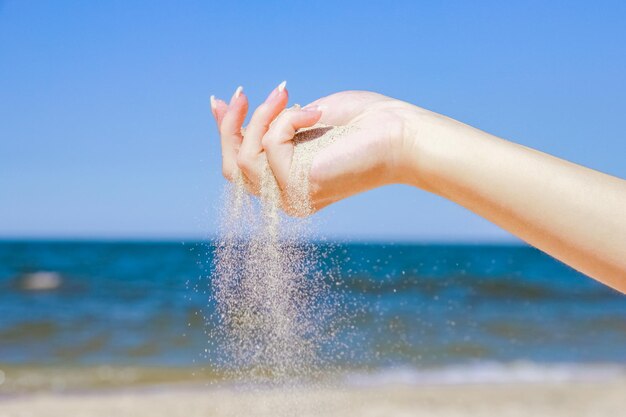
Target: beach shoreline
[{"x": 582, "y": 398}]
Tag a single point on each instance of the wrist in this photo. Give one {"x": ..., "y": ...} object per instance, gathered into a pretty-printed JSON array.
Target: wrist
[
  {"x": 424, "y": 148},
  {"x": 436, "y": 149}
]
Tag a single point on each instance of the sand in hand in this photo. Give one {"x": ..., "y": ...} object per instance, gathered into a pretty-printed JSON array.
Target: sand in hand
[{"x": 271, "y": 316}]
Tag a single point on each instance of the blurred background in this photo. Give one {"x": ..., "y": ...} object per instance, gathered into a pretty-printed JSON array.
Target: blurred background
[{"x": 110, "y": 182}]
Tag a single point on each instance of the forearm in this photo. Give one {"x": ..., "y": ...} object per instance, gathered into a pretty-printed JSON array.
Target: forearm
[{"x": 573, "y": 213}]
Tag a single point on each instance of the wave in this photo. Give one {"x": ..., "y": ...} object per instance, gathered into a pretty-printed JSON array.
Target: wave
[{"x": 489, "y": 373}]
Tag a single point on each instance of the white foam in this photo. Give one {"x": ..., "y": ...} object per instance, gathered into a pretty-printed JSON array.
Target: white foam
[{"x": 488, "y": 373}]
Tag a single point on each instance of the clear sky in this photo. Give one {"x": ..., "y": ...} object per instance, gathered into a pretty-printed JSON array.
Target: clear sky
[{"x": 105, "y": 128}]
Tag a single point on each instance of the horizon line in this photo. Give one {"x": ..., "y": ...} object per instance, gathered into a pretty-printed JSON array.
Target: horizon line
[{"x": 199, "y": 239}]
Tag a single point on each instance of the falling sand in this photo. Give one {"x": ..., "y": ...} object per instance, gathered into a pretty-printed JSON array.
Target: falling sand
[{"x": 274, "y": 318}]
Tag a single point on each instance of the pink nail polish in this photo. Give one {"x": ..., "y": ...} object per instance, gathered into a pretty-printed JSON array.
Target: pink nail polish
[{"x": 311, "y": 108}]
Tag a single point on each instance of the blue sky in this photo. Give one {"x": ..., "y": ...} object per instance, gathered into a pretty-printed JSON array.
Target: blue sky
[{"x": 105, "y": 128}]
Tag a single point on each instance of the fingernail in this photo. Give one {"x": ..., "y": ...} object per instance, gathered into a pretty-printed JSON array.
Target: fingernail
[
  {"x": 237, "y": 93},
  {"x": 213, "y": 105},
  {"x": 275, "y": 92},
  {"x": 311, "y": 108},
  {"x": 314, "y": 107}
]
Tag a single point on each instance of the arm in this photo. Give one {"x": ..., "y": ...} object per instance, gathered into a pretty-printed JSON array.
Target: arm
[{"x": 575, "y": 214}]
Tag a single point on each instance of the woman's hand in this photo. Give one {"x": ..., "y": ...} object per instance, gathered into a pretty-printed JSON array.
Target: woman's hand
[
  {"x": 571, "y": 212},
  {"x": 370, "y": 155}
]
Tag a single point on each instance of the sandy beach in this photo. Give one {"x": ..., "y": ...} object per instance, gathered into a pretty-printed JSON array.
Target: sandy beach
[{"x": 606, "y": 398}]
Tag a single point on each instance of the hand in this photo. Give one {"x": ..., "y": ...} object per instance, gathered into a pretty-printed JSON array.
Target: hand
[
  {"x": 372, "y": 154},
  {"x": 571, "y": 212}
]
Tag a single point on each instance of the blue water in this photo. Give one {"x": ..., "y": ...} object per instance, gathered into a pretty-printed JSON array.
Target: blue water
[{"x": 409, "y": 305}]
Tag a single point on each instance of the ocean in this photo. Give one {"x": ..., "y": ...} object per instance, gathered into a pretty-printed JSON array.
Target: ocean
[{"x": 76, "y": 314}]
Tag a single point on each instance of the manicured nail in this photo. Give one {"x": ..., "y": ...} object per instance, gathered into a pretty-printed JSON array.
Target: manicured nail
[
  {"x": 237, "y": 93},
  {"x": 213, "y": 104},
  {"x": 275, "y": 92},
  {"x": 314, "y": 107}
]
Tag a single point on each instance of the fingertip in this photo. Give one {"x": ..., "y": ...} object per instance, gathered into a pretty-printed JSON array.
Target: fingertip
[
  {"x": 236, "y": 95},
  {"x": 313, "y": 107},
  {"x": 219, "y": 108},
  {"x": 239, "y": 104},
  {"x": 283, "y": 99},
  {"x": 279, "y": 94},
  {"x": 281, "y": 91},
  {"x": 238, "y": 107},
  {"x": 272, "y": 107},
  {"x": 235, "y": 114},
  {"x": 309, "y": 116}
]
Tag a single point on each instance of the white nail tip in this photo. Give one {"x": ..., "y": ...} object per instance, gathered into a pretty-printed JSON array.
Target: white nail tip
[
  {"x": 314, "y": 107},
  {"x": 282, "y": 86},
  {"x": 213, "y": 105},
  {"x": 238, "y": 91}
]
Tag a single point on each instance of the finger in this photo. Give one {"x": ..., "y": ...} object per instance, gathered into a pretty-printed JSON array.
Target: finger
[
  {"x": 342, "y": 108},
  {"x": 251, "y": 148},
  {"x": 278, "y": 144},
  {"x": 230, "y": 131},
  {"x": 218, "y": 108},
  {"x": 334, "y": 114}
]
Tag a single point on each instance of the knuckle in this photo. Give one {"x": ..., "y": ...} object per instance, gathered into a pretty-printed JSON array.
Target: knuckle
[
  {"x": 262, "y": 114},
  {"x": 222, "y": 129},
  {"x": 268, "y": 140},
  {"x": 244, "y": 161},
  {"x": 279, "y": 131},
  {"x": 283, "y": 124},
  {"x": 228, "y": 170}
]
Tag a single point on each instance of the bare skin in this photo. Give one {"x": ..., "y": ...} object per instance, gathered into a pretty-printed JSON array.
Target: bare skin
[{"x": 573, "y": 213}]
